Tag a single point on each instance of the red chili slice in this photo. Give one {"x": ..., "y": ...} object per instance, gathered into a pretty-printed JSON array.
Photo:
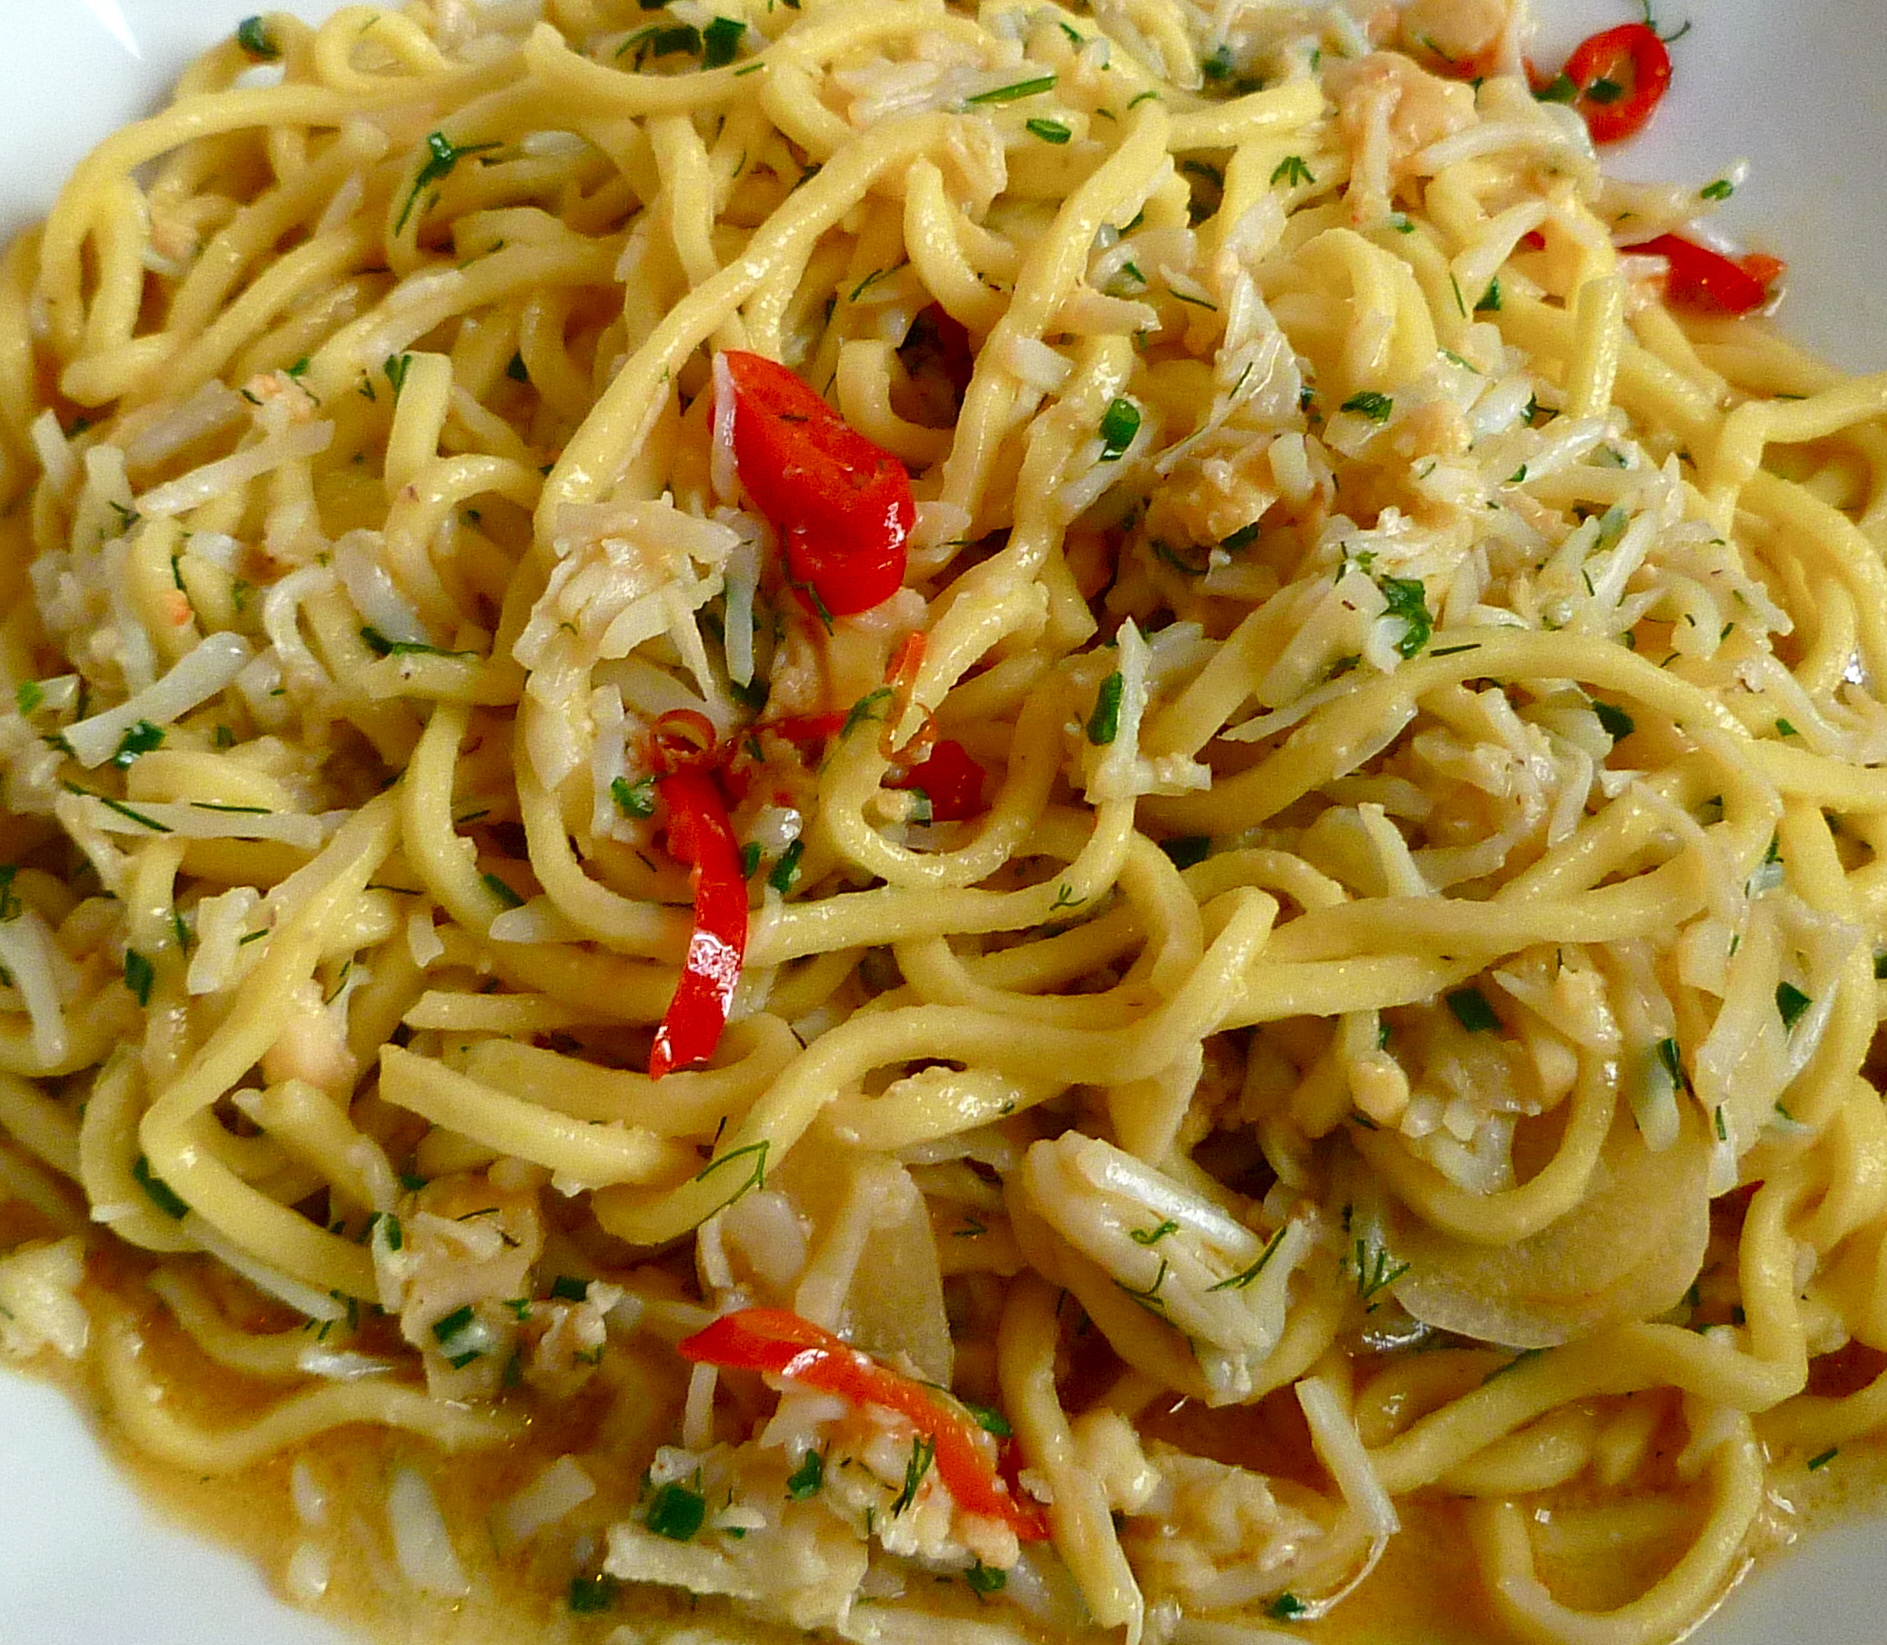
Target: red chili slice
[
  {"x": 699, "y": 834},
  {"x": 782, "y": 1344},
  {"x": 1707, "y": 281},
  {"x": 1618, "y": 79},
  {"x": 952, "y": 780},
  {"x": 842, "y": 506}
]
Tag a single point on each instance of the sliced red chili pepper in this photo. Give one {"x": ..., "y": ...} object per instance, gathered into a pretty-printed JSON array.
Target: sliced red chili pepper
[
  {"x": 699, "y": 835},
  {"x": 1618, "y": 78},
  {"x": 841, "y": 505},
  {"x": 1709, "y": 282},
  {"x": 782, "y": 1344},
  {"x": 805, "y": 728},
  {"x": 952, "y": 780}
]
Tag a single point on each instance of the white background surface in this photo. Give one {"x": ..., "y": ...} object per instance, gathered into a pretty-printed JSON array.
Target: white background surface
[{"x": 1798, "y": 88}]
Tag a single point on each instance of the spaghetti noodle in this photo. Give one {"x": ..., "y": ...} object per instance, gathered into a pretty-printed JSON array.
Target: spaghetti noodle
[{"x": 1000, "y": 825}]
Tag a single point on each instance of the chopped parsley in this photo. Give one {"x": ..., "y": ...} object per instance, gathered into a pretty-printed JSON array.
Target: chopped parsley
[
  {"x": 720, "y": 41},
  {"x": 1050, "y": 131},
  {"x": 1285, "y": 1607},
  {"x": 1292, "y": 171},
  {"x": 805, "y": 1480},
  {"x": 1721, "y": 189},
  {"x": 140, "y": 739},
  {"x": 592, "y": 1595},
  {"x": 1152, "y": 1236},
  {"x": 634, "y": 799},
  {"x": 1817, "y": 1463},
  {"x": 1791, "y": 1002},
  {"x": 442, "y": 154},
  {"x": 568, "y": 1288},
  {"x": 381, "y": 646},
  {"x": 28, "y": 695},
  {"x": 1472, "y": 1010},
  {"x": 1376, "y": 407},
  {"x": 990, "y": 1420},
  {"x": 1490, "y": 299},
  {"x": 1407, "y": 600},
  {"x": 253, "y": 36},
  {"x": 676, "y": 1512},
  {"x": 785, "y": 872},
  {"x": 396, "y": 367},
  {"x": 1104, "y": 722},
  {"x": 1615, "y": 720},
  {"x": 139, "y": 975},
  {"x": 986, "y": 1579},
  {"x": 1119, "y": 424}
]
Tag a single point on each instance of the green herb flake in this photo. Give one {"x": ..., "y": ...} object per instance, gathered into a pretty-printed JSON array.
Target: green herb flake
[
  {"x": 1291, "y": 171},
  {"x": 1104, "y": 722},
  {"x": 253, "y": 36},
  {"x": 592, "y": 1595},
  {"x": 676, "y": 1512},
  {"x": 1472, "y": 1010},
  {"x": 805, "y": 1480},
  {"x": 986, "y": 1579},
  {"x": 1050, "y": 131},
  {"x": 1285, "y": 1607},
  {"x": 785, "y": 873},
  {"x": 749, "y": 859},
  {"x": 1791, "y": 1002},
  {"x": 568, "y": 1288},
  {"x": 1244, "y": 537},
  {"x": 1152, "y": 1236},
  {"x": 1721, "y": 189},
  {"x": 634, "y": 799},
  {"x": 1119, "y": 424},
  {"x": 1817, "y": 1463},
  {"x": 990, "y": 1420},
  {"x": 1490, "y": 299},
  {"x": 139, "y": 975},
  {"x": 1786, "y": 728},
  {"x": 1376, "y": 407},
  {"x": 442, "y": 154},
  {"x": 28, "y": 695},
  {"x": 1616, "y": 722},
  {"x": 453, "y": 1324},
  {"x": 1407, "y": 600},
  {"x": 140, "y": 739},
  {"x": 162, "y": 1195},
  {"x": 1561, "y": 89},
  {"x": 720, "y": 42},
  {"x": 1604, "y": 91},
  {"x": 1012, "y": 93}
]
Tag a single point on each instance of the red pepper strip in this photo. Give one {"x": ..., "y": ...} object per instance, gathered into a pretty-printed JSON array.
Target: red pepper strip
[
  {"x": 841, "y": 505},
  {"x": 952, "y": 780},
  {"x": 782, "y": 1344},
  {"x": 1706, "y": 280},
  {"x": 805, "y": 728},
  {"x": 1619, "y": 77},
  {"x": 699, "y": 834}
]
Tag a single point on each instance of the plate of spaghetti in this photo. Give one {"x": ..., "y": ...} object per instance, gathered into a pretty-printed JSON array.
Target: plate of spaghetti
[{"x": 918, "y": 823}]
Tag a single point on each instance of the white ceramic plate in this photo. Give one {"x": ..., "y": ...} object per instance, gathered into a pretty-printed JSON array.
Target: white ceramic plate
[{"x": 1795, "y": 89}]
